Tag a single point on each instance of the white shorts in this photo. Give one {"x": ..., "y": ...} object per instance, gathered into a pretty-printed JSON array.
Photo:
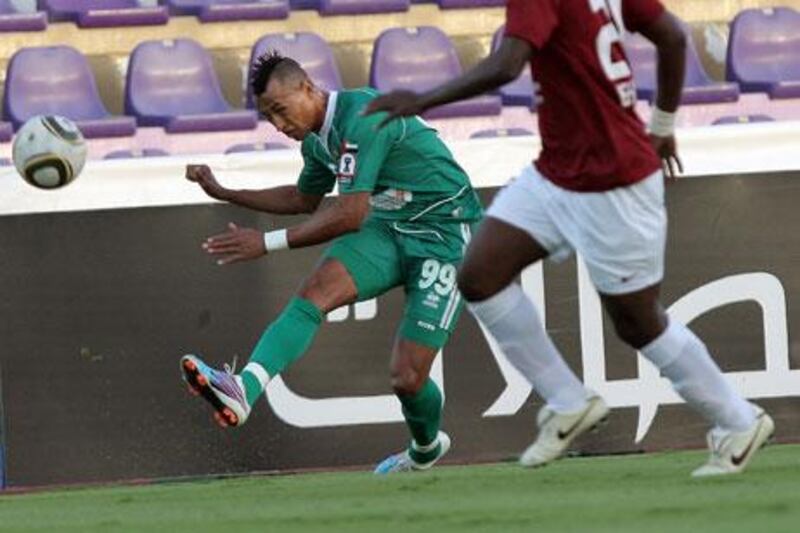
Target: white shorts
[{"x": 620, "y": 234}]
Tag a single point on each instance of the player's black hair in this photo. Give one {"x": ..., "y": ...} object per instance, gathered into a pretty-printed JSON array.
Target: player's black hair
[{"x": 268, "y": 64}]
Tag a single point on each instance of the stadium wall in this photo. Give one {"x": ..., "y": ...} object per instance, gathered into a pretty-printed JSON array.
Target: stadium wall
[{"x": 105, "y": 286}]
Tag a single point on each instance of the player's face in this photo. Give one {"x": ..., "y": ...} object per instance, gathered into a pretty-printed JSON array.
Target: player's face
[{"x": 290, "y": 107}]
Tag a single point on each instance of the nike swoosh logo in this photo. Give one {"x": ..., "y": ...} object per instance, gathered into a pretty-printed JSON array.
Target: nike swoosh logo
[
  {"x": 739, "y": 459},
  {"x": 565, "y": 434}
]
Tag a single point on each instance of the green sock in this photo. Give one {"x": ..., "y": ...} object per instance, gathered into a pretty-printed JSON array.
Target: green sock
[
  {"x": 423, "y": 412},
  {"x": 284, "y": 341}
]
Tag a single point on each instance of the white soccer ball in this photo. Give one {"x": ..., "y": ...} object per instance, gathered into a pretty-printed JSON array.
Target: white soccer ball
[{"x": 49, "y": 151}]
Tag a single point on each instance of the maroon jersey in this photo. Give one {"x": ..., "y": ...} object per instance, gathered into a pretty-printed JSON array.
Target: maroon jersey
[{"x": 592, "y": 138}]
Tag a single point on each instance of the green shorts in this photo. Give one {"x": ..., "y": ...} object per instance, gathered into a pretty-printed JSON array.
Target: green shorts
[{"x": 422, "y": 258}]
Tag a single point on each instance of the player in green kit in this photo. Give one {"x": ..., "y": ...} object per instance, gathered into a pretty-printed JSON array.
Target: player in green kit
[{"x": 402, "y": 218}]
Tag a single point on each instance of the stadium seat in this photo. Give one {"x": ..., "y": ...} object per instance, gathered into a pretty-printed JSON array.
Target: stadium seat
[
  {"x": 698, "y": 88},
  {"x": 764, "y": 51},
  {"x": 742, "y": 119},
  {"x": 133, "y": 154},
  {"x": 14, "y": 19},
  {"x": 500, "y": 132},
  {"x": 6, "y": 131},
  {"x": 172, "y": 83},
  {"x": 58, "y": 80},
  {"x": 308, "y": 49},
  {"x": 356, "y": 7},
  {"x": 255, "y": 147},
  {"x": 221, "y": 10},
  {"x": 520, "y": 91},
  {"x": 450, "y": 4},
  {"x": 104, "y": 13},
  {"x": 420, "y": 59}
]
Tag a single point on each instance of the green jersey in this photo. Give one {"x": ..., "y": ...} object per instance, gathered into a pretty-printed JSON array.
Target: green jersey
[{"x": 409, "y": 172}]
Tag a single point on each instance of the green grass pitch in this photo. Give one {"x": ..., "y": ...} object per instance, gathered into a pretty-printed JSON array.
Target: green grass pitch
[{"x": 643, "y": 493}]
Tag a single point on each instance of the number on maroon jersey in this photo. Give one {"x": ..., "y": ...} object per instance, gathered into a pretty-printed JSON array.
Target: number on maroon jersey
[{"x": 608, "y": 39}]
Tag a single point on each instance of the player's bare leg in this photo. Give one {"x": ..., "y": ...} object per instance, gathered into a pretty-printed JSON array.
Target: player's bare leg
[
  {"x": 232, "y": 396},
  {"x": 422, "y": 408},
  {"x": 740, "y": 428},
  {"x": 495, "y": 257},
  {"x": 329, "y": 287}
]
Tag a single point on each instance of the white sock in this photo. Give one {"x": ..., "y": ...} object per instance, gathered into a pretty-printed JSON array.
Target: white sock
[
  {"x": 513, "y": 321},
  {"x": 258, "y": 371},
  {"x": 683, "y": 359}
]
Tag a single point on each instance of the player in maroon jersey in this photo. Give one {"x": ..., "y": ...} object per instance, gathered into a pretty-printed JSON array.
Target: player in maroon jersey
[{"x": 597, "y": 189}]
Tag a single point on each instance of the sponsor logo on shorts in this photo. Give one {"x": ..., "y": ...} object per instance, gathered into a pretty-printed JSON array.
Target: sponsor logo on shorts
[
  {"x": 432, "y": 300},
  {"x": 425, "y": 325}
]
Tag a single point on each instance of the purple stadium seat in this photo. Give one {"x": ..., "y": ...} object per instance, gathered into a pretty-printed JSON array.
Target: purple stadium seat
[
  {"x": 420, "y": 59},
  {"x": 6, "y": 131},
  {"x": 5, "y": 162},
  {"x": 133, "y": 154},
  {"x": 12, "y": 19},
  {"x": 172, "y": 84},
  {"x": 356, "y": 7},
  {"x": 58, "y": 80},
  {"x": 221, "y": 10},
  {"x": 308, "y": 49},
  {"x": 255, "y": 147},
  {"x": 742, "y": 119},
  {"x": 764, "y": 51},
  {"x": 104, "y": 13},
  {"x": 500, "y": 132},
  {"x": 449, "y": 4},
  {"x": 698, "y": 88},
  {"x": 520, "y": 91}
]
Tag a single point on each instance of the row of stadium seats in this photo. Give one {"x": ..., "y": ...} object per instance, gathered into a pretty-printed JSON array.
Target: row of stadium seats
[
  {"x": 109, "y": 13},
  {"x": 172, "y": 84},
  {"x": 764, "y": 56}
]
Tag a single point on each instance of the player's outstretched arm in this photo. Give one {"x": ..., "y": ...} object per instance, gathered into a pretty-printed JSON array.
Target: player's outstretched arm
[
  {"x": 285, "y": 200},
  {"x": 501, "y": 67},
  {"x": 670, "y": 40},
  {"x": 343, "y": 215}
]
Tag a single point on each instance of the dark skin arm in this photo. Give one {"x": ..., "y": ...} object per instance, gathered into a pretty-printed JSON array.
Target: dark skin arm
[
  {"x": 285, "y": 200},
  {"x": 502, "y": 66},
  {"x": 667, "y": 34},
  {"x": 344, "y": 215}
]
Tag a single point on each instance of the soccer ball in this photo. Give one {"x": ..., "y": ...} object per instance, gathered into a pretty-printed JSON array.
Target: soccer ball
[{"x": 49, "y": 151}]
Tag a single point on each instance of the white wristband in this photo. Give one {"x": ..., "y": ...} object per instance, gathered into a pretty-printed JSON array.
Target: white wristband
[
  {"x": 662, "y": 124},
  {"x": 276, "y": 240}
]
